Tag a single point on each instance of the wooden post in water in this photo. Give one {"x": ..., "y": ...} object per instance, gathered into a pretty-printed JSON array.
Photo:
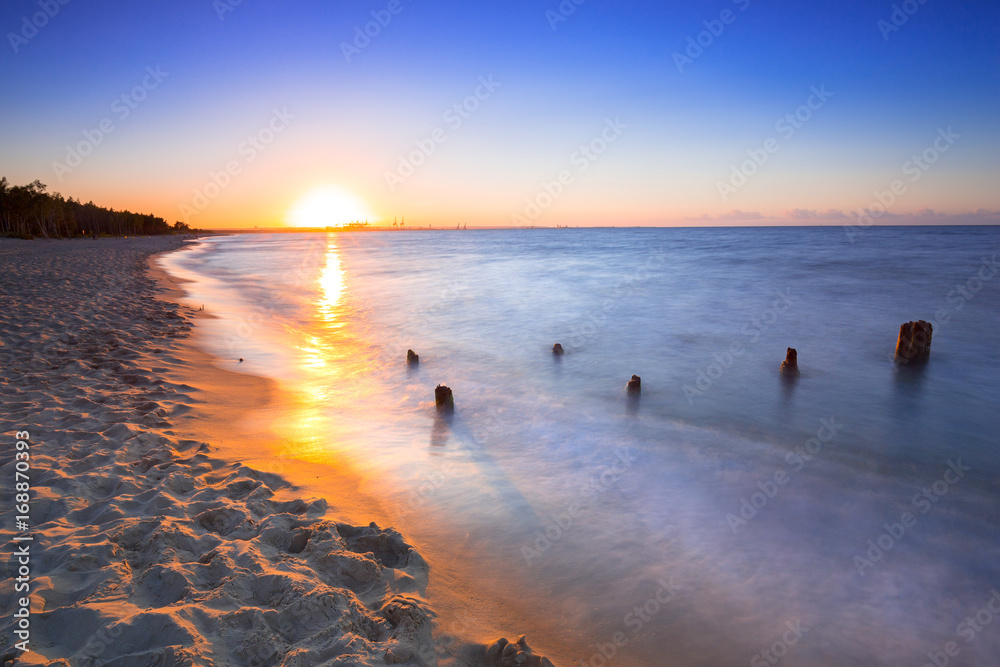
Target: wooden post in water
[
  {"x": 914, "y": 343},
  {"x": 790, "y": 366},
  {"x": 444, "y": 399}
]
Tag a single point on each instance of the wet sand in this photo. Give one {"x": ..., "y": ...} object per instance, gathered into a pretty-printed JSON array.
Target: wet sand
[{"x": 251, "y": 419}]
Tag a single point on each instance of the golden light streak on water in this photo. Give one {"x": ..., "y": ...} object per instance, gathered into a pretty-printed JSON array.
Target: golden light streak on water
[
  {"x": 326, "y": 350},
  {"x": 335, "y": 365},
  {"x": 331, "y": 282}
]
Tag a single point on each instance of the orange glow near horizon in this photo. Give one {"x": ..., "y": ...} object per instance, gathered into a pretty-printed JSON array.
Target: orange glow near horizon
[{"x": 328, "y": 206}]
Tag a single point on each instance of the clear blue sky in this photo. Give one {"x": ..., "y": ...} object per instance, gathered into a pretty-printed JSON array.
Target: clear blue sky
[{"x": 675, "y": 144}]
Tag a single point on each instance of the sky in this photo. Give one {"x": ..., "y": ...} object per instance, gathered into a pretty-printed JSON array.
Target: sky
[{"x": 243, "y": 113}]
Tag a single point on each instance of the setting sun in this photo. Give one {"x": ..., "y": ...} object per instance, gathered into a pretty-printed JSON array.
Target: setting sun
[{"x": 328, "y": 207}]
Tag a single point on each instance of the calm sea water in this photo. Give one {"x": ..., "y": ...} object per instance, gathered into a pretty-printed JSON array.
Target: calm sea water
[{"x": 849, "y": 518}]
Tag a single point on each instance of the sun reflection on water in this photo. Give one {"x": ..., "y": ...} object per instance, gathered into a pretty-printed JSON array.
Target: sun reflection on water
[
  {"x": 331, "y": 283},
  {"x": 333, "y": 361}
]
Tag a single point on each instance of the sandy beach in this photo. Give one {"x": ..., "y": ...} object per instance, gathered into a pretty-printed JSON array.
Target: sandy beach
[{"x": 149, "y": 547}]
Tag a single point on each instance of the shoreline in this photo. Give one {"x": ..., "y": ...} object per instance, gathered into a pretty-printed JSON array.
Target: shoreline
[
  {"x": 150, "y": 547},
  {"x": 220, "y": 231},
  {"x": 244, "y": 407},
  {"x": 248, "y": 412}
]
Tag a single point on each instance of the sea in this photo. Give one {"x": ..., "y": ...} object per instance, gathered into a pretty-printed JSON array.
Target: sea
[{"x": 726, "y": 515}]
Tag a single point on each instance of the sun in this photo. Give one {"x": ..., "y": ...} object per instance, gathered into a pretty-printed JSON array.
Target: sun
[{"x": 328, "y": 206}]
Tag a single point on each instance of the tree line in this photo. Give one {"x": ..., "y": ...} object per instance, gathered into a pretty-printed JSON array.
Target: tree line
[{"x": 29, "y": 210}]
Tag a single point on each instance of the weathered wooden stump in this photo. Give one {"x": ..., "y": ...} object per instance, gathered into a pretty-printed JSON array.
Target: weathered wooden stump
[
  {"x": 790, "y": 366},
  {"x": 557, "y": 349},
  {"x": 634, "y": 385},
  {"x": 444, "y": 399},
  {"x": 412, "y": 357},
  {"x": 914, "y": 343}
]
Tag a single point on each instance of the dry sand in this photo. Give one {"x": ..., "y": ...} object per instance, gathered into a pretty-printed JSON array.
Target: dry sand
[{"x": 154, "y": 549}]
